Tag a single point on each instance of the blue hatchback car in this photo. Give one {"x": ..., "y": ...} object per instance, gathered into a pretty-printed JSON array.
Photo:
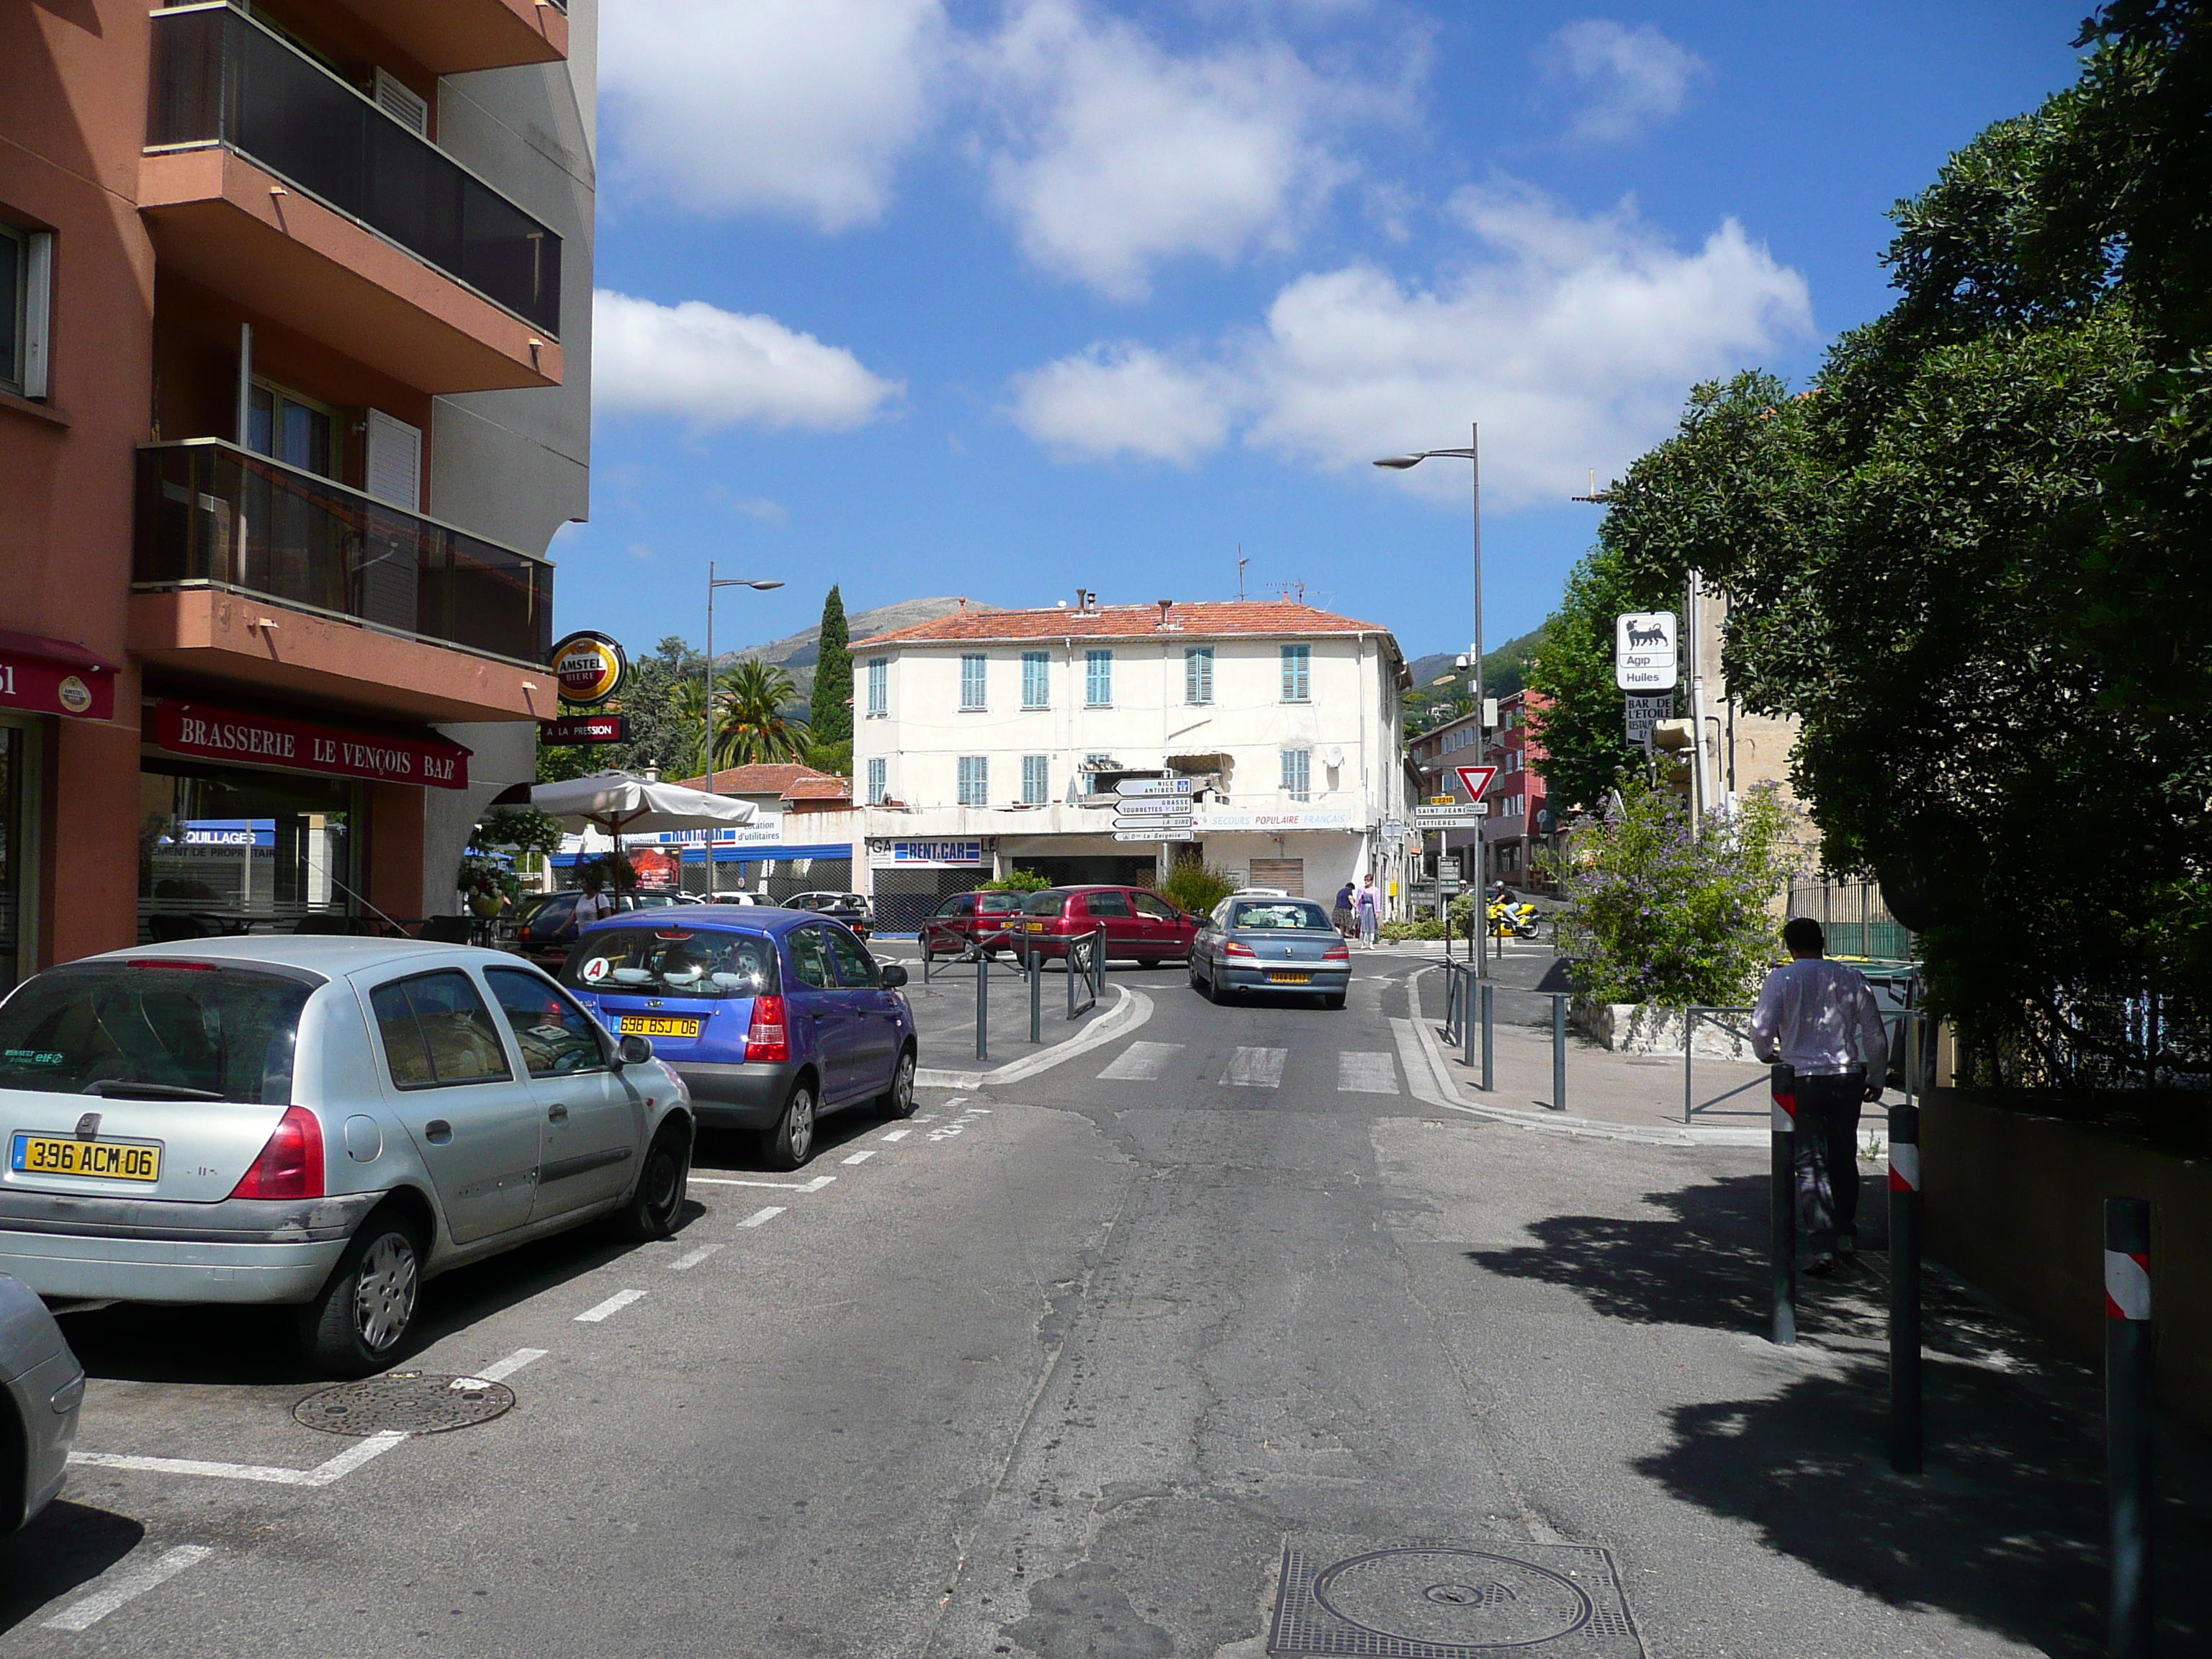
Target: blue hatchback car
[{"x": 772, "y": 1018}]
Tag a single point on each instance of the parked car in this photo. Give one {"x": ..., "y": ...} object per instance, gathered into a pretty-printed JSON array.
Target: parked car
[
  {"x": 851, "y": 908},
  {"x": 321, "y": 1123},
  {"x": 1267, "y": 942},
  {"x": 548, "y": 930},
  {"x": 995, "y": 918},
  {"x": 1140, "y": 925},
  {"x": 45, "y": 1388},
  {"x": 773, "y": 1017},
  {"x": 736, "y": 898}
]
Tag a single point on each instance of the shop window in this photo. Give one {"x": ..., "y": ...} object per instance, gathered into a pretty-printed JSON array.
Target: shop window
[
  {"x": 27, "y": 264},
  {"x": 222, "y": 850}
]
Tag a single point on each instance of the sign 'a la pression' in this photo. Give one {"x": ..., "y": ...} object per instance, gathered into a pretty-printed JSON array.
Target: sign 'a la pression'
[{"x": 208, "y": 732}]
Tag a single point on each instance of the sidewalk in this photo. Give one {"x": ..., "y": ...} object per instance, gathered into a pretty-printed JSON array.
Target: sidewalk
[{"x": 945, "y": 1014}]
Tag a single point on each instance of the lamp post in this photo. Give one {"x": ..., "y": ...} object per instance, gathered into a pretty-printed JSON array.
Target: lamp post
[
  {"x": 1472, "y": 453},
  {"x": 707, "y": 747}
]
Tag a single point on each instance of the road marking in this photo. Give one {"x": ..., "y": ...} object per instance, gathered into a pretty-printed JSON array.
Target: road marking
[
  {"x": 1142, "y": 1062},
  {"x": 606, "y": 1309},
  {"x": 860, "y": 1157},
  {"x": 813, "y": 1185},
  {"x": 946, "y": 1131},
  {"x": 1365, "y": 1074},
  {"x": 321, "y": 1475},
  {"x": 1255, "y": 1068},
  {"x": 692, "y": 1258},
  {"x": 500, "y": 1370},
  {"x": 760, "y": 1216},
  {"x": 84, "y": 1615},
  {"x": 896, "y": 1134}
]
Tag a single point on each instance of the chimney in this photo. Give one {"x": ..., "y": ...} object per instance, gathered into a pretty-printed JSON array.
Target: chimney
[
  {"x": 963, "y": 606},
  {"x": 1163, "y": 605}
]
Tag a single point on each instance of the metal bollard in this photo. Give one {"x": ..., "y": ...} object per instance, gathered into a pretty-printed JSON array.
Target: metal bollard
[
  {"x": 1782, "y": 1085},
  {"x": 982, "y": 1004},
  {"x": 2128, "y": 1448},
  {"x": 1466, "y": 1020},
  {"x": 1904, "y": 1422},
  {"x": 1036, "y": 999},
  {"x": 1486, "y": 1077},
  {"x": 1558, "y": 1054}
]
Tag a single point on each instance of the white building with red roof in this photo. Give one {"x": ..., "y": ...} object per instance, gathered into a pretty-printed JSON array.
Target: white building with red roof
[{"x": 989, "y": 740}]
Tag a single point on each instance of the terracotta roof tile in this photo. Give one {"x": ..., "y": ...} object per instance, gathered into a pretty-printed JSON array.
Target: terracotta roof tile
[
  {"x": 761, "y": 778},
  {"x": 1198, "y": 620},
  {"x": 819, "y": 789}
]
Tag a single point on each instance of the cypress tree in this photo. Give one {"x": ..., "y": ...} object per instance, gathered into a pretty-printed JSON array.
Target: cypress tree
[{"x": 832, "y": 718}]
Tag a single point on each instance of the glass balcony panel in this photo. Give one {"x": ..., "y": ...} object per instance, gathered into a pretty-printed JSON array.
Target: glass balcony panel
[
  {"x": 219, "y": 77},
  {"x": 209, "y": 513}
]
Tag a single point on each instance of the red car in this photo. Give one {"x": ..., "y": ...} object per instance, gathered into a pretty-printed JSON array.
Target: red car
[
  {"x": 992, "y": 917},
  {"x": 1140, "y": 924}
]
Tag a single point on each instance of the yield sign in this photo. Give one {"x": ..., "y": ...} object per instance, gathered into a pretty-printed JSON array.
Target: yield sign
[{"x": 1476, "y": 779}]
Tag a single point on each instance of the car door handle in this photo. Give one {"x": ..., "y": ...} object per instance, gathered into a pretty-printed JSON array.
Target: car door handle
[
  {"x": 437, "y": 1131},
  {"x": 556, "y": 1113}
]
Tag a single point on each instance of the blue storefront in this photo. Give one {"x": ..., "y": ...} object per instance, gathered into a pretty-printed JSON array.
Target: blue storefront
[{"x": 756, "y": 858}]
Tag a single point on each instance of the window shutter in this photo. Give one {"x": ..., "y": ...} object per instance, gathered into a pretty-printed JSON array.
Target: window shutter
[
  {"x": 403, "y": 104},
  {"x": 393, "y": 472}
]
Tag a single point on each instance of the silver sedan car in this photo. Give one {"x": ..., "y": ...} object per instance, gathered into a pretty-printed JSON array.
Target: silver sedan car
[
  {"x": 317, "y": 1123},
  {"x": 44, "y": 1386},
  {"x": 1266, "y": 941}
]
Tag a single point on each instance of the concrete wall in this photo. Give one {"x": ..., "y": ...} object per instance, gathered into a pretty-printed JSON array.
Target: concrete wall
[{"x": 2015, "y": 1205}]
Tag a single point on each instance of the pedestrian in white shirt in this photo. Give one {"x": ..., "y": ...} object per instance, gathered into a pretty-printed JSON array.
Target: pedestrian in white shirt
[{"x": 1820, "y": 1018}]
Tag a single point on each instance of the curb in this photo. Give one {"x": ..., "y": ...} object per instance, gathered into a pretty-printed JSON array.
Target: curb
[{"x": 1132, "y": 1009}]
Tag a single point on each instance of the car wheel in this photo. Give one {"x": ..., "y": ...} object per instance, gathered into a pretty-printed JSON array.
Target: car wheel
[
  {"x": 359, "y": 1322},
  {"x": 1196, "y": 983},
  {"x": 791, "y": 1143},
  {"x": 1214, "y": 993},
  {"x": 1333, "y": 1000},
  {"x": 897, "y": 1101},
  {"x": 658, "y": 1201}
]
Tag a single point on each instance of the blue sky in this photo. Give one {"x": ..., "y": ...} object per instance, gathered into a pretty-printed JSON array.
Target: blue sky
[{"x": 934, "y": 296}]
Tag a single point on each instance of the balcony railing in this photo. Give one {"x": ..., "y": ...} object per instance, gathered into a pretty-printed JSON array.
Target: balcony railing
[
  {"x": 212, "y": 514},
  {"x": 219, "y": 77}
]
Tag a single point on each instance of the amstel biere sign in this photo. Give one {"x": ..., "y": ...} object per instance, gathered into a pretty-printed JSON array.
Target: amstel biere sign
[{"x": 590, "y": 668}]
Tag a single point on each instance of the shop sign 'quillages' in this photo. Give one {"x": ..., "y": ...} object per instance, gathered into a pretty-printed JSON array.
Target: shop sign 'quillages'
[{"x": 206, "y": 732}]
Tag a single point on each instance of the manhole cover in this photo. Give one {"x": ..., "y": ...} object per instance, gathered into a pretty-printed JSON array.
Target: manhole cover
[
  {"x": 416, "y": 1401},
  {"x": 1437, "y": 1599}
]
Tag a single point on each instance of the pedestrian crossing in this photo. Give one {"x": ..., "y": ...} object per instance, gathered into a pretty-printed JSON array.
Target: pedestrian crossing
[{"x": 1256, "y": 1068}]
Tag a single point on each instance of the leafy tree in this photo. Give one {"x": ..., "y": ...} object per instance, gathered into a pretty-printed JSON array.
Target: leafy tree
[
  {"x": 834, "y": 758},
  {"x": 749, "y": 724},
  {"x": 523, "y": 829},
  {"x": 832, "y": 712},
  {"x": 1194, "y": 887}
]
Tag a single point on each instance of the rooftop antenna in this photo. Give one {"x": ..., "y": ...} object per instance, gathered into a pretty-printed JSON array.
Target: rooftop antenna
[
  {"x": 1241, "y": 562},
  {"x": 1596, "y": 495}
]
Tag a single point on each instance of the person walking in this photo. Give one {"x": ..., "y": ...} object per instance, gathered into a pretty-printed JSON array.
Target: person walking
[
  {"x": 1820, "y": 1018},
  {"x": 1343, "y": 917},
  {"x": 1369, "y": 905}
]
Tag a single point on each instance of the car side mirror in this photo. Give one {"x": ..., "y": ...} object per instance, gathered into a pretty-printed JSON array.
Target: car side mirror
[
  {"x": 894, "y": 976},
  {"x": 633, "y": 1050}
]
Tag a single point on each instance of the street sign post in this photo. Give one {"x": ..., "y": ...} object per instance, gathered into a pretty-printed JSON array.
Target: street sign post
[
  {"x": 1643, "y": 651},
  {"x": 1158, "y": 832},
  {"x": 1153, "y": 806},
  {"x": 1463, "y": 816},
  {"x": 1476, "y": 779},
  {"x": 1129, "y": 787},
  {"x": 1643, "y": 710}
]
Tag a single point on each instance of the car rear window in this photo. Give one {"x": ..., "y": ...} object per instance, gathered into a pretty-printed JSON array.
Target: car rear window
[
  {"x": 673, "y": 961},
  {"x": 1049, "y": 902},
  {"x": 1280, "y": 913},
  {"x": 997, "y": 904},
  {"x": 153, "y": 1032}
]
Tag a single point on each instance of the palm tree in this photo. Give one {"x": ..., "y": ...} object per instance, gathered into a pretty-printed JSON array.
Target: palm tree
[{"x": 749, "y": 724}]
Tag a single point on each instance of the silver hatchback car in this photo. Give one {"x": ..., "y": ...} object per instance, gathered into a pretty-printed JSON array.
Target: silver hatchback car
[{"x": 321, "y": 1122}]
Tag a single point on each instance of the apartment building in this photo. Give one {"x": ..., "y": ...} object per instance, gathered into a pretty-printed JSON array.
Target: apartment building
[
  {"x": 989, "y": 740},
  {"x": 1520, "y": 825},
  {"x": 295, "y": 300}
]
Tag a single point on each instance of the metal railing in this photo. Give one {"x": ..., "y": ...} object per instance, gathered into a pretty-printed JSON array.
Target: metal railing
[
  {"x": 220, "y": 77},
  {"x": 212, "y": 514},
  {"x": 1906, "y": 1029}
]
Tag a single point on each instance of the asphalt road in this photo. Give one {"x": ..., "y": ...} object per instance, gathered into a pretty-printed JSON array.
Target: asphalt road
[{"x": 1056, "y": 1371}]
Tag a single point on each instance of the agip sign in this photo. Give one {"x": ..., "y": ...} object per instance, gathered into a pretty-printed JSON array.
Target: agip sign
[{"x": 1643, "y": 651}]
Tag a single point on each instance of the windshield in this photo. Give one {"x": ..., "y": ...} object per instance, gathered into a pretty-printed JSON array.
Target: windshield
[
  {"x": 688, "y": 962},
  {"x": 1279, "y": 913},
  {"x": 153, "y": 1030}
]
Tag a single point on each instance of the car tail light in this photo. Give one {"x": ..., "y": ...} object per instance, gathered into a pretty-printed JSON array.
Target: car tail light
[
  {"x": 291, "y": 1165},
  {"x": 1232, "y": 948},
  {"x": 1337, "y": 953},
  {"x": 767, "y": 1037}
]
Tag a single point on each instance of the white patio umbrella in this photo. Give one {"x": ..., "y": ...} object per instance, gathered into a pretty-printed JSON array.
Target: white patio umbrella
[{"x": 618, "y": 804}]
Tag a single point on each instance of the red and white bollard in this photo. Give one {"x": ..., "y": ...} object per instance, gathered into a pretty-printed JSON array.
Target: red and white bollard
[
  {"x": 1781, "y": 1086},
  {"x": 1905, "y": 1420},
  {"x": 2128, "y": 1450}
]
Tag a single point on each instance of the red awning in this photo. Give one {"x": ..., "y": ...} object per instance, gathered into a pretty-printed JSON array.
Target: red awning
[
  {"x": 209, "y": 731},
  {"x": 41, "y": 676}
]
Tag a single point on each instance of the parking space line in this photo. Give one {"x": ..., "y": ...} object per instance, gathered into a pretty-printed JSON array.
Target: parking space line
[
  {"x": 500, "y": 1370},
  {"x": 692, "y": 1258},
  {"x": 813, "y": 1185},
  {"x": 759, "y": 1216},
  {"x": 83, "y": 1615},
  {"x": 321, "y": 1475},
  {"x": 860, "y": 1157},
  {"x": 614, "y": 1304},
  {"x": 896, "y": 1134}
]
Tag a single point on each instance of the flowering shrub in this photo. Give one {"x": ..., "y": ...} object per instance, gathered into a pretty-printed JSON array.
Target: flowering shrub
[{"x": 1661, "y": 911}]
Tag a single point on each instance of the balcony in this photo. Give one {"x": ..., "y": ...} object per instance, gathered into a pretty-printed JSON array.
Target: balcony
[
  {"x": 213, "y": 518},
  {"x": 452, "y": 37},
  {"x": 268, "y": 179}
]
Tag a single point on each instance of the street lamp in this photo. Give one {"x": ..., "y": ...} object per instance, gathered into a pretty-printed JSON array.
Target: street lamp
[
  {"x": 1472, "y": 453},
  {"x": 706, "y": 771}
]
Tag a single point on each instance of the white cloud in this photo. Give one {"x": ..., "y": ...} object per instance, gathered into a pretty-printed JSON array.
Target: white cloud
[
  {"x": 1573, "y": 341},
  {"x": 1122, "y": 399},
  {"x": 1117, "y": 154},
  {"x": 714, "y": 367},
  {"x": 795, "y": 106},
  {"x": 1627, "y": 79}
]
